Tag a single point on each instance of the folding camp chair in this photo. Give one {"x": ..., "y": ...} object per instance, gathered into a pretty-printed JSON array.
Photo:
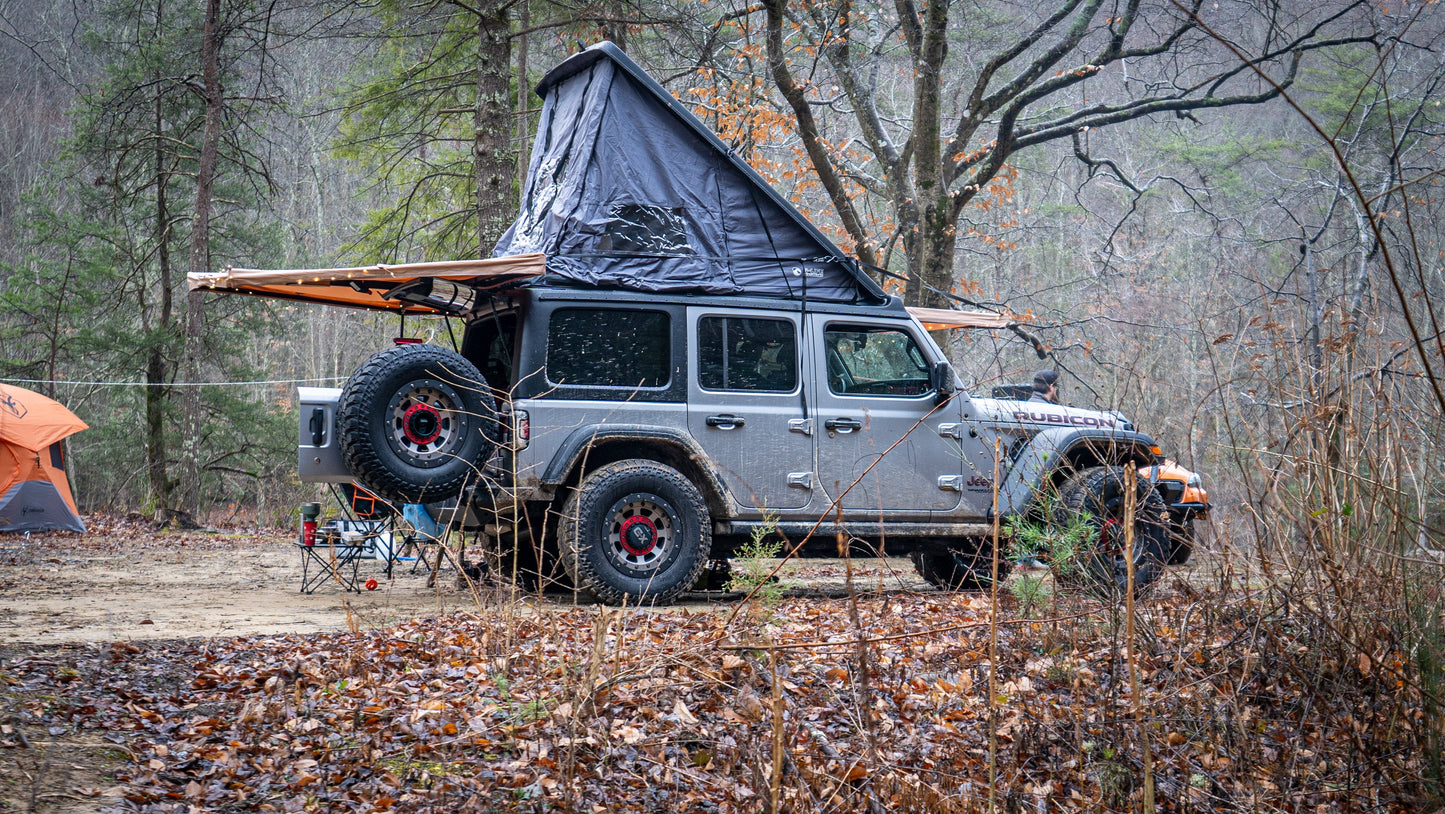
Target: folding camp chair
[
  {"x": 424, "y": 539},
  {"x": 377, "y": 517}
]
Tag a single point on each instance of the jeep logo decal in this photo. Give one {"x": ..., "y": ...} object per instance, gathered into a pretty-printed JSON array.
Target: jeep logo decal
[{"x": 1057, "y": 418}]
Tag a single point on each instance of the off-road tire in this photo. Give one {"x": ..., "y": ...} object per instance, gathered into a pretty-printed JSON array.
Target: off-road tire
[
  {"x": 959, "y": 569},
  {"x": 634, "y": 530},
  {"x": 416, "y": 423},
  {"x": 1098, "y": 495},
  {"x": 1181, "y": 541}
]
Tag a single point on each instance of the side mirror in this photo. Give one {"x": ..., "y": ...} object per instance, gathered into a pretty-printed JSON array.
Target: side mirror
[{"x": 942, "y": 382}]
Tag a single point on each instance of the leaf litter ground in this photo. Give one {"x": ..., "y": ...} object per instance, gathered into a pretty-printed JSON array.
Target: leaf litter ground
[{"x": 877, "y": 700}]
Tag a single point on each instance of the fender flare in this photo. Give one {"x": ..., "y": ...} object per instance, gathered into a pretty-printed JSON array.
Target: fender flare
[
  {"x": 571, "y": 451},
  {"x": 1055, "y": 449}
]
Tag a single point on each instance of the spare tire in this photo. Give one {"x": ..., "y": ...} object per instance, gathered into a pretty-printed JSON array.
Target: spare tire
[{"x": 416, "y": 423}]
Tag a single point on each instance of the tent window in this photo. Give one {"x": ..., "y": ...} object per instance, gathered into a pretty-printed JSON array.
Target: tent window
[
  {"x": 57, "y": 456},
  {"x": 747, "y": 354},
  {"x": 609, "y": 348},
  {"x": 646, "y": 230}
]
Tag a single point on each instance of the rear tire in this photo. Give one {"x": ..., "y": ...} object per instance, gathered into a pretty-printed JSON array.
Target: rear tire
[
  {"x": 959, "y": 569},
  {"x": 1097, "y": 495},
  {"x": 416, "y": 423},
  {"x": 635, "y": 530}
]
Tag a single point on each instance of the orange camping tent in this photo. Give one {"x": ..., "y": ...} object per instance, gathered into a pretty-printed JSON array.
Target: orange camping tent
[{"x": 34, "y": 492}]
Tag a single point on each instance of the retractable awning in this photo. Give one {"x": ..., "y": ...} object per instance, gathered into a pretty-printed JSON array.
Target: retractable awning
[
  {"x": 450, "y": 287},
  {"x": 935, "y": 319}
]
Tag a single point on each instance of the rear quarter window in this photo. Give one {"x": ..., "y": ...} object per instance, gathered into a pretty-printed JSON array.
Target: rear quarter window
[{"x": 601, "y": 347}]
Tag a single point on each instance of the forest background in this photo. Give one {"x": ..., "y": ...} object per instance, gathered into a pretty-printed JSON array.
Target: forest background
[
  {"x": 1246, "y": 275},
  {"x": 1223, "y": 219}
]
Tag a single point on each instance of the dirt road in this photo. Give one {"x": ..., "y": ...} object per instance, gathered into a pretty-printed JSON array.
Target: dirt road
[{"x": 125, "y": 581}]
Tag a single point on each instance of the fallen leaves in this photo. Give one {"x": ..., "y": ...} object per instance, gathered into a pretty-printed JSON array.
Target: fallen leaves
[{"x": 641, "y": 710}]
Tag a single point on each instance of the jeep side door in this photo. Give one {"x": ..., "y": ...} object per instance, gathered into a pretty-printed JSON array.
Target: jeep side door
[
  {"x": 883, "y": 442},
  {"x": 745, "y": 405}
]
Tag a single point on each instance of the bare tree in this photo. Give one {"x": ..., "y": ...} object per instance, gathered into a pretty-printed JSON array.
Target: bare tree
[{"x": 921, "y": 106}]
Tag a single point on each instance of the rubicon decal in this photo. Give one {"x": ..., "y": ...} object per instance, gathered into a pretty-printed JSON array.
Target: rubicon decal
[{"x": 1060, "y": 418}]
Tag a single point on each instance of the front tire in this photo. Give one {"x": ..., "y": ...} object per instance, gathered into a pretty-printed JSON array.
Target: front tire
[
  {"x": 1181, "y": 540},
  {"x": 416, "y": 423},
  {"x": 1097, "y": 497},
  {"x": 635, "y": 529}
]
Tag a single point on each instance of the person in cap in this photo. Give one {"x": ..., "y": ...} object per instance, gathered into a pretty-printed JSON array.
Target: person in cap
[{"x": 1046, "y": 386}]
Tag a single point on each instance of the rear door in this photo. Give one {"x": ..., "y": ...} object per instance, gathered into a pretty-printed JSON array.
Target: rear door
[{"x": 745, "y": 405}]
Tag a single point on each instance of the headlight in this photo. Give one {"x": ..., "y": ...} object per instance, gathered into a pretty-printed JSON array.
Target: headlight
[{"x": 1195, "y": 481}]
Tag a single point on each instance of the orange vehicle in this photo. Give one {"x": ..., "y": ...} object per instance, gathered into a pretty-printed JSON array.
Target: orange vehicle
[{"x": 1184, "y": 494}]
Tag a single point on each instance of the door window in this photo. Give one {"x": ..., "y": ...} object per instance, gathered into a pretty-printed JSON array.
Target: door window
[
  {"x": 747, "y": 354},
  {"x": 874, "y": 362}
]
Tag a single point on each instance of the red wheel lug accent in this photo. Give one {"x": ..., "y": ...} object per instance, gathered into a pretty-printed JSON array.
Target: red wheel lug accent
[{"x": 421, "y": 424}]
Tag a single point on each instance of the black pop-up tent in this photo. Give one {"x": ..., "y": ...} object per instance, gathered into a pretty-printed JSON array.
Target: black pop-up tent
[{"x": 628, "y": 189}]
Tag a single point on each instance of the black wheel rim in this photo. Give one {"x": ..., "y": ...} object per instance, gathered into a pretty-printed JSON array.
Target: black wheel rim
[
  {"x": 425, "y": 422},
  {"x": 641, "y": 534}
]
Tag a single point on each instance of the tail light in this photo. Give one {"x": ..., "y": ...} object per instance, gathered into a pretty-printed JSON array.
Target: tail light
[{"x": 521, "y": 429}]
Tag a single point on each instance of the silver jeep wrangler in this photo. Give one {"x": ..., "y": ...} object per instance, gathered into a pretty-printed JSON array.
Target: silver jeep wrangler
[
  {"x": 663, "y": 356},
  {"x": 639, "y": 440}
]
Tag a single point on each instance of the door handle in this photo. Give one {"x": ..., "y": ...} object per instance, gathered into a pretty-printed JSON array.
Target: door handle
[
  {"x": 843, "y": 425},
  {"x": 725, "y": 422},
  {"x": 318, "y": 426}
]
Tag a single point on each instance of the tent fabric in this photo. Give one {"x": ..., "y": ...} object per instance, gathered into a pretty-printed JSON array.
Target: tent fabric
[
  {"x": 377, "y": 287},
  {"x": 32, "y": 421},
  {"x": 34, "y": 492},
  {"x": 626, "y": 188},
  {"x": 38, "y": 506}
]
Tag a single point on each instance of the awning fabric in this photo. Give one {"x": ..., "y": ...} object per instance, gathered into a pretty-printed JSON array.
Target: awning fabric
[
  {"x": 935, "y": 319},
  {"x": 367, "y": 286}
]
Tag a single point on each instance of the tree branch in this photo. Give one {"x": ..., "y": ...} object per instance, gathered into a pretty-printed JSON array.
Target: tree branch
[{"x": 808, "y": 132}]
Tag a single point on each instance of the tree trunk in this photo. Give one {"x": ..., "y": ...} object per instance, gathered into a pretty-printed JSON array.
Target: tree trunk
[
  {"x": 524, "y": 93},
  {"x": 493, "y": 151},
  {"x": 157, "y": 388},
  {"x": 190, "y": 468},
  {"x": 930, "y": 254}
]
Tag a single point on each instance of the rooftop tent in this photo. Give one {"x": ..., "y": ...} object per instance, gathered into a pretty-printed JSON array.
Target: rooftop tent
[
  {"x": 34, "y": 492},
  {"x": 627, "y": 188}
]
